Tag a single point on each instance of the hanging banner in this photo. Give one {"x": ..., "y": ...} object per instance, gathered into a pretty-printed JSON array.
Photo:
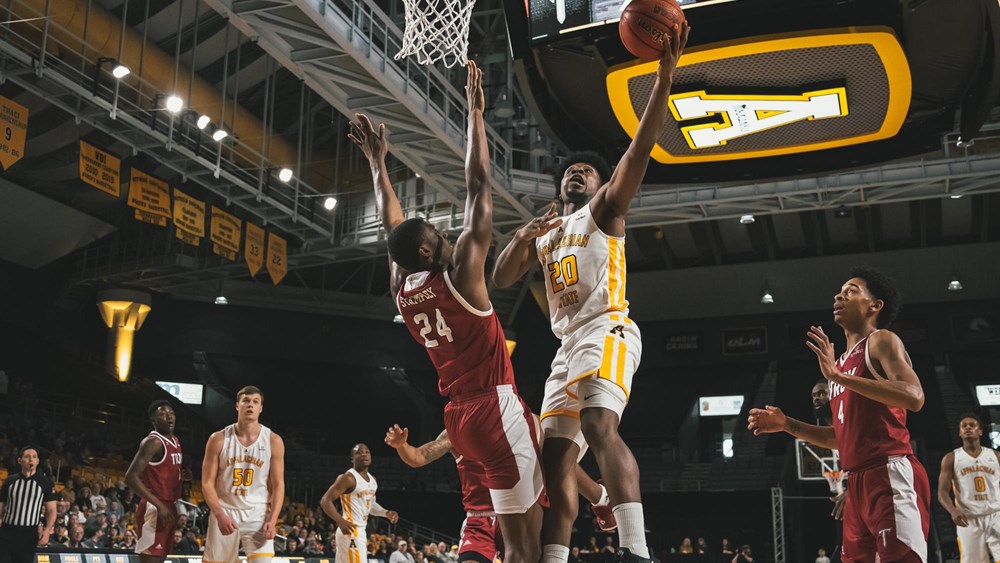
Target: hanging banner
[
  {"x": 100, "y": 169},
  {"x": 187, "y": 237},
  {"x": 150, "y": 197},
  {"x": 277, "y": 258},
  {"x": 225, "y": 234},
  {"x": 189, "y": 216},
  {"x": 14, "y": 121},
  {"x": 254, "y": 248}
]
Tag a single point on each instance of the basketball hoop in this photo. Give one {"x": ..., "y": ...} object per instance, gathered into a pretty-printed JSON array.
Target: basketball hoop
[
  {"x": 437, "y": 30},
  {"x": 836, "y": 480}
]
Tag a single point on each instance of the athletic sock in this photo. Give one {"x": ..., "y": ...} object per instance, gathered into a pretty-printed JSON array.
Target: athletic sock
[
  {"x": 604, "y": 498},
  {"x": 555, "y": 553},
  {"x": 631, "y": 528}
]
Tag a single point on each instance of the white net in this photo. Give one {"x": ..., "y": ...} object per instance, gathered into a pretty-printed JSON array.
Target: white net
[
  {"x": 836, "y": 481},
  {"x": 437, "y": 30}
]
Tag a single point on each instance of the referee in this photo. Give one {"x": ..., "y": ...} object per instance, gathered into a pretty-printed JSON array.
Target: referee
[{"x": 21, "y": 500}]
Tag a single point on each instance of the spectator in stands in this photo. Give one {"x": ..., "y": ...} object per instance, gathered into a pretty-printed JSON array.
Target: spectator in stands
[
  {"x": 431, "y": 554},
  {"x": 402, "y": 553},
  {"x": 293, "y": 547},
  {"x": 574, "y": 555},
  {"x": 129, "y": 541},
  {"x": 76, "y": 537},
  {"x": 821, "y": 556},
  {"x": 701, "y": 548},
  {"x": 60, "y": 536},
  {"x": 418, "y": 557},
  {"x": 184, "y": 542},
  {"x": 592, "y": 546},
  {"x": 744, "y": 555},
  {"x": 726, "y": 549},
  {"x": 686, "y": 547},
  {"x": 115, "y": 509},
  {"x": 443, "y": 554},
  {"x": 609, "y": 547},
  {"x": 94, "y": 535}
]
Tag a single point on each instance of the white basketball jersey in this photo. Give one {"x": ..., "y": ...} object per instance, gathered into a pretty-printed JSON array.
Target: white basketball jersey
[
  {"x": 243, "y": 470},
  {"x": 976, "y": 482},
  {"x": 356, "y": 505},
  {"x": 584, "y": 272}
]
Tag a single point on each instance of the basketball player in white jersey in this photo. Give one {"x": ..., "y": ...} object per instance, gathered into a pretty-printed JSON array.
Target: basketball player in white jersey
[
  {"x": 583, "y": 261},
  {"x": 973, "y": 472},
  {"x": 243, "y": 481},
  {"x": 356, "y": 490}
]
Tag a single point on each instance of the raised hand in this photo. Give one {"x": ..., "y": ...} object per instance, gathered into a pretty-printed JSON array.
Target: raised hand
[
  {"x": 823, "y": 349},
  {"x": 675, "y": 47},
  {"x": 766, "y": 421},
  {"x": 396, "y": 436},
  {"x": 372, "y": 143},
  {"x": 474, "y": 87},
  {"x": 540, "y": 225}
]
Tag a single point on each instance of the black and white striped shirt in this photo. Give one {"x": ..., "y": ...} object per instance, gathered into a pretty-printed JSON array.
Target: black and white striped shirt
[{"x": 24, "y": 498}]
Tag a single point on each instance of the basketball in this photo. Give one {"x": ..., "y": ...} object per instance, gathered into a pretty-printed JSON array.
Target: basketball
[{"x": 646, "y": 24}]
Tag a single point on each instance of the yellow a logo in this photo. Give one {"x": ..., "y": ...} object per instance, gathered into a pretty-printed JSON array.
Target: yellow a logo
[{"x": 748, "y": 114}]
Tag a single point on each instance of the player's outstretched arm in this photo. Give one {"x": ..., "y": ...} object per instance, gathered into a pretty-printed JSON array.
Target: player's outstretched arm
[
  {"x": 150, "y": 448},
  {"x": 375, "y": 145},
  {"x": 417, "y": 457},
  {"x": 519, "y": 254},
  {"x": 275, "y": 486},
  {"x": 770, "y": 420},
  {"x": 209, "y": 474},
  {"x": 345, "y": 483},
  {"x": 378, "y": 510},
  {"x": 945, "y": 480},
  {"x": 613, "y": 200},
  {"x": 901, "y": 388},
  {"x": 473, "y": 244}
]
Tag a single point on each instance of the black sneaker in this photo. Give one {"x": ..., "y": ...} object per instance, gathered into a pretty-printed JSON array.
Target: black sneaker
[{"x": 626, "y": 556}]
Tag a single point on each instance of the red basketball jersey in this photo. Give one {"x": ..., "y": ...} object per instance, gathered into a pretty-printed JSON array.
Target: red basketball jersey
[
  {"x": 475, "y": 495},
  {"x": 466, "y": 346},
  {"x": 163, "y": 478},
  {"x": 868, "y": 432}
]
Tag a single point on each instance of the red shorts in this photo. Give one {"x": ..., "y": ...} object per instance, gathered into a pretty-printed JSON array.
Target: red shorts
[
  {"x": 497, "y": 430},
  {"x": 480, "y": 537},
  {"x": 150, "y": 539},
  {"x": 887, "y": 513}
]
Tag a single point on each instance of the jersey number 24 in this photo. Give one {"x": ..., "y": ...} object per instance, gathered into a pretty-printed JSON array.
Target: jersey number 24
[{"x": 441, "y": 325}]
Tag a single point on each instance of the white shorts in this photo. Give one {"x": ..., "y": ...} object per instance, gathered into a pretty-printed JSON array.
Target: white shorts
[
  {"x": 980, "y": 540},
  {"x": 593, "y": 368},
  {"x": 249, "y": 534},
  {"x": 352, "y": 548}
]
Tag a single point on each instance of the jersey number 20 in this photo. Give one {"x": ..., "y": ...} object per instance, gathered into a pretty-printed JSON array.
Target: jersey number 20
[
  {"x": 565, "y": 269},
  {"x": 442, "y": 328}
]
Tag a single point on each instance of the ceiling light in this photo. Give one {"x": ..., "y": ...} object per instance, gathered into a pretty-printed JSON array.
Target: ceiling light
[
  {"x": 958, "y": 196},
  {"x": 203, "y": 121},
  {"x": 398, "y": 319},
  {"x": 954, "y": 284},
  {"x": 120, "y": 71},
  {"x": 174, "y": 104},
  {"x": 285, "y": 174},
  {"x": 842, "y": 212},
  {"x": 219, "y": 135},
  {"x": 329, "y": 203},
  {"x": 221, "y": 300},
  {"x": 746, "y": 219},
  {"x": 767, "y": 298}
]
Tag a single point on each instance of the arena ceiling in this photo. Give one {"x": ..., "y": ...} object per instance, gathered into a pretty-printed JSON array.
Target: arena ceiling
[{"x": 286, "y": 75}]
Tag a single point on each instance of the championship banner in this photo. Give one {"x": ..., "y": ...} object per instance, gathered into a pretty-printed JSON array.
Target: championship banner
[
  {"x": 14, "y": 121},
  {"x": 100, "y": 169},
  {"x": 189, "y": 217},
  {"x": 225, "y": 234},
  {"x": 254, "y": 253},
  {"x": 150, "y": 197},
  {"x": 277, "y": 258}
]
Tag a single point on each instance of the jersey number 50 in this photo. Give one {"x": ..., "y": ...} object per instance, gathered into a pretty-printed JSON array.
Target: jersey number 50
[{"x": 242, "y": 477}]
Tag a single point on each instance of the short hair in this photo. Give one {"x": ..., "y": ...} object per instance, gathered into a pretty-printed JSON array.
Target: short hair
[
  {"x": 155, "y": 406},
  {"x": 973, "y": 416},
  {"x": 355, "y": 446},
  {"x": 250, "y": 390},
  {"x": 881, "y": 287},
  {"x": 404, "y": 243},
  {"x": 590, "y": 157},
  {"x": 21, "y": 451}
]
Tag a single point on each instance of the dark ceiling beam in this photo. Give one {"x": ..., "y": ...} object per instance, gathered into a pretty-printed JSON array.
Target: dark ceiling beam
[{"x": 863, "y": 224}]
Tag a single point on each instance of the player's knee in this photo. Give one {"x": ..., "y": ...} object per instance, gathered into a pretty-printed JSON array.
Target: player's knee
[{"x": 599, "y": 426}]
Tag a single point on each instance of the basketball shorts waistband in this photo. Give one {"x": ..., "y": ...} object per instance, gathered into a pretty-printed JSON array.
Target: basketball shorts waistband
[
  {"x": 481, "y": 514},
  {"x": 499, "y": 391}
]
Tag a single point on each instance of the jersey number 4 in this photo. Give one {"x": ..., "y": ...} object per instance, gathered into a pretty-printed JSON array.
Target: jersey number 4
[
  {"x": 442, "y": 328},
  {"x": 242, "y": 477}
]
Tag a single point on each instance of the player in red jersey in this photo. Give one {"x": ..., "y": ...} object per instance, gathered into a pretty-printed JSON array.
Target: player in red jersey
[
  {"x": 441, "y": 294},
  {"x": 872, "y": 385},
  {"x": 481, "y": 541},
  {"x": 155, "y": 475}
]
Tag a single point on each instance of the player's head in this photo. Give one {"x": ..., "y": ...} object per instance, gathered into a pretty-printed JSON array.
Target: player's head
[
  {"x": 417, "y": 245},
  {"x": 27, "y": 458},
  {"x": 970, "y": 428},
  {"x": 867, "y": 296},
  {"x": 162, "y": 415},
  {"x": 249, "y": 403},
  {"x": 361, "y": 457},
  {"x": 579, "y": 177},
  {"x": 821, "y": 400}
]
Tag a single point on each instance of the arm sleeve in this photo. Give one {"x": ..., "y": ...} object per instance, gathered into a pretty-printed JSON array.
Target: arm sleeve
[
  {"x": 50, "y": 490},
  {"x": 377, "y": 509}
]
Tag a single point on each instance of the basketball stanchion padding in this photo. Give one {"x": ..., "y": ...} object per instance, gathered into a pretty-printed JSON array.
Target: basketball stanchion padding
[{"x": 437, "y": 30}]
